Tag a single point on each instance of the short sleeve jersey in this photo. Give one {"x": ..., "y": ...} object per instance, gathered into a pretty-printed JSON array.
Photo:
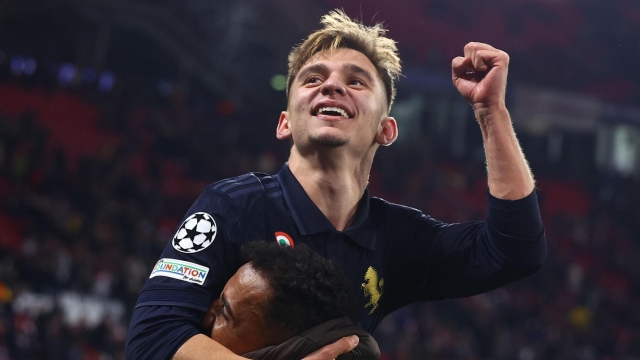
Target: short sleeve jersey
[{"x": 394, "y": 255}]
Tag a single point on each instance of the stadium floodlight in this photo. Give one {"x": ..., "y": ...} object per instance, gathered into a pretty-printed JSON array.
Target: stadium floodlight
[
  {"x": 17, "y": 64},
  {"x": 106, "y": 81},
  {"x": 279, "y": 82},
  {"x": 66, "y": 73},
  {"x": 29, "y": 66}
]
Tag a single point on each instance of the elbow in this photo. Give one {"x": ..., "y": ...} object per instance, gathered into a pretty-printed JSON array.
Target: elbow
[
  {"x": 534, "y": 259},
  {"x": 530, "y": 268}
]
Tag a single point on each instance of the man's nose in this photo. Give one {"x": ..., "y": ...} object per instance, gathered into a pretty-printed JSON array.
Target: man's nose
[
  {"x": 333, "y": 86},
  {"x": 216, "y": 308}
]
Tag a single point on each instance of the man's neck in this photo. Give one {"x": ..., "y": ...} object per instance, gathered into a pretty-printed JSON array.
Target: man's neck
[{"x": 334, "y": 183}]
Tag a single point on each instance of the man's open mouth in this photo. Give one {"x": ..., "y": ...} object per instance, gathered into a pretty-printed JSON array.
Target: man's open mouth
[{"x": 332, "y": 111}]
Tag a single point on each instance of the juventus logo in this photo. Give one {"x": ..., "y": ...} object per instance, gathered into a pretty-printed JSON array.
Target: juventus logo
[{"x": 373, "y": 288}]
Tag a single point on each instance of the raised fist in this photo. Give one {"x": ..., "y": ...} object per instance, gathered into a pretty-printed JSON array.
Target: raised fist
[{"x": 481, "y": 75}]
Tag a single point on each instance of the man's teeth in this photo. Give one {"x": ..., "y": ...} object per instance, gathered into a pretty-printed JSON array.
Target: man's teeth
[{"x": 333, "y": 109}]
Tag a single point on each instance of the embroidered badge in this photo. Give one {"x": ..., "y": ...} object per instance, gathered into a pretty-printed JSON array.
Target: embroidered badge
[
  {"x": 373, "y": 288},
  {"x": 195, "y": 234},
  {"x": 181, "y": 270},
  {"x": 284, "y": 239}
]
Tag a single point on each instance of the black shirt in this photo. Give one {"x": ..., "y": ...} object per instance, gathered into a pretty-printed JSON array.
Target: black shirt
[{"x": 394, "y": 255}]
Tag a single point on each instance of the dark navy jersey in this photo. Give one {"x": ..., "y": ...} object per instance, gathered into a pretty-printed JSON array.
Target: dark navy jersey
[{"x": 393, "y": 254}]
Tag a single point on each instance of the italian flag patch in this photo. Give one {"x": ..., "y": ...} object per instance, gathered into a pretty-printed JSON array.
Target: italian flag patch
[{"x": 284, "y": 239}]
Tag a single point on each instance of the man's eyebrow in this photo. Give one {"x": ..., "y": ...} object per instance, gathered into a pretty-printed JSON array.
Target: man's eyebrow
[
  {"x": 349, "y": 67},
  {"x": 315, "y": 68},
  {"x": 227, "y": 306}
]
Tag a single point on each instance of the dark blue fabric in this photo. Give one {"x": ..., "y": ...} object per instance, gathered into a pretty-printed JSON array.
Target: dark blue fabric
[
  {"x": 157, "y": 332},
  {"x": 393, "y": 254}
]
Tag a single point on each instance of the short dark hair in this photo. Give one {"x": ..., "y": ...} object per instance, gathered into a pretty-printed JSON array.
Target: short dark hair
[{"x": 308, "y": 289}]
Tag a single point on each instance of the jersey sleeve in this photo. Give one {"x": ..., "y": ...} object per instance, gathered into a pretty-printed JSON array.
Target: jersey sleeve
[
  {"x": 199, "y": 259},
  {"x": 456, "y": 260},
  {"x": 157, "y": 332}
]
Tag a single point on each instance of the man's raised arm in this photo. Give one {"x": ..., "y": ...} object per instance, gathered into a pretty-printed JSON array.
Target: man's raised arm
[{"x": 481, "y": 78}]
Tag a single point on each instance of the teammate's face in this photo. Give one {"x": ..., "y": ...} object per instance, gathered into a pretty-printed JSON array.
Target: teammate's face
[
  {"x": 337, "y": 99},
  {"x": 238, "y": 321}
]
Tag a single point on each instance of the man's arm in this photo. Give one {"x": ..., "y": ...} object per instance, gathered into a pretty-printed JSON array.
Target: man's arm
[
  {"x": 331, "y": 351},
  {"x": 339, "y": 335},
  {"x": 434, "y": 260},
  {"x": 157, "y": 332},
  {"x": 202, "y": 347},
  {"x": 173, "y": 332},
  {"x": 481, "y": 78}
]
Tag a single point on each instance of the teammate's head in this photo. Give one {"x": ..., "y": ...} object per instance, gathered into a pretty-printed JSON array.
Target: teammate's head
[
  {"x": 340, "y": 31},
  {"x": 278, "y": 293}
]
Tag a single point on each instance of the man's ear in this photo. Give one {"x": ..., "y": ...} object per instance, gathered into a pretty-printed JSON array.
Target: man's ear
[
  {"x": 283, "y": 131},
  {"x": 387, "y": 132}
]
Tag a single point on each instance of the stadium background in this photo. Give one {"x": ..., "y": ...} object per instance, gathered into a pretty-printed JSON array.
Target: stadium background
[{"x": 115, "y": 114}]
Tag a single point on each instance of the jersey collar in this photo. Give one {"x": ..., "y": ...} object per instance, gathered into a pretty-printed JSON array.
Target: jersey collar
[{"x": 310, "y": 220}]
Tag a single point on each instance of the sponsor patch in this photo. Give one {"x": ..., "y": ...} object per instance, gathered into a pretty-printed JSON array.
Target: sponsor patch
[
  {"x": 181, "y": 270},
  {"x": 284, "y": 239},
  {"x": 195, "y": 234}
]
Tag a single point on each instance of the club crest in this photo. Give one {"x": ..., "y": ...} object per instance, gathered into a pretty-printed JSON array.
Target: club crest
[{"x": 373, "y": 288}]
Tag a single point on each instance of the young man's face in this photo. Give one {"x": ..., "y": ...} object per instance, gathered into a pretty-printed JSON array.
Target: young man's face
[
  {"x": 336, "y": 100},
  {"x": 238, "y": 320}
]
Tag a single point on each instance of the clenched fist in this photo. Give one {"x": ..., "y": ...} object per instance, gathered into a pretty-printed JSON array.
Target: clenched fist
[{"x": 481, "y": 75}]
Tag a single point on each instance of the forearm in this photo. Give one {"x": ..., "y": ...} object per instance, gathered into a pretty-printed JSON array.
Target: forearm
[
  {"x": 201, "y": 347},
  {"x": 509, "y": 175},
  {"x": 481, "y": 78},
  {"x": 474, "y": 257}
]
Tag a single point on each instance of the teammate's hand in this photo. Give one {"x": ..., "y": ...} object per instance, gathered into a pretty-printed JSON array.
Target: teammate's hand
[
  {"x": 481, "y": 75},
  {"x": 331, "y": 351}
]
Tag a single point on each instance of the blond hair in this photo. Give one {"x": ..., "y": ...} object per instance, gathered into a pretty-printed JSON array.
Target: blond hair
[{"x": 340, "y": 31}]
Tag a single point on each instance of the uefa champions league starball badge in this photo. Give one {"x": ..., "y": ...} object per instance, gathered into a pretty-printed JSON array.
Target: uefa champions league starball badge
[{"x": 195, "y": 234}]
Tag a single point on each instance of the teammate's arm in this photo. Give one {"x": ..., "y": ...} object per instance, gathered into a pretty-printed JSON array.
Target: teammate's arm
[
  {"x": 172, "y": 332},
  {"x": 202, "y": 347},
  {"x": 331, "y": 351},
  {"x": 481, "y": 78}
]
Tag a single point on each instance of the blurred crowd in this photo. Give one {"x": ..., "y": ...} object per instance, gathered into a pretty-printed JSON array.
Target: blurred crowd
[
  {"x": 82, "y": 225},
  {"x": 93, "y": 184},
  {"x": 579, "y": 45}
]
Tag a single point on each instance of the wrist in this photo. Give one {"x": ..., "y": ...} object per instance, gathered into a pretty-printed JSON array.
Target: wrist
[
  {"x": 492, "y": 119},
  {"x": 482, "y": 110}
]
